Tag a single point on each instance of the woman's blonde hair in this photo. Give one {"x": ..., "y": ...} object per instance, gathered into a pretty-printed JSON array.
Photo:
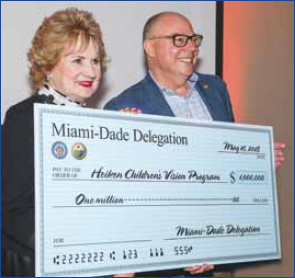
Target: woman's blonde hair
[{"x": 56, "y": 32}]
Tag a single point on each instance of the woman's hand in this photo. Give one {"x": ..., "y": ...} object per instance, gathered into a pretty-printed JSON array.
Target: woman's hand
[{"x": 124, "y": 275}]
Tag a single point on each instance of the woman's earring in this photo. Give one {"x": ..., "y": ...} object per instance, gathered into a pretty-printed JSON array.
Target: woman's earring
[{"x": 48, "y": 78}]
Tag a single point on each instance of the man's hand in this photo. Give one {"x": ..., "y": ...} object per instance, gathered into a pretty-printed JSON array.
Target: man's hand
[
  {"x": 279, "y": 155},
  {"x": 131, "y": 110},
  {"x": 199, "y": 268}
]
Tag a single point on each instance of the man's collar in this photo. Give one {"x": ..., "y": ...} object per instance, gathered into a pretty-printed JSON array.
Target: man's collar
[{"x": 193, "y": 79}]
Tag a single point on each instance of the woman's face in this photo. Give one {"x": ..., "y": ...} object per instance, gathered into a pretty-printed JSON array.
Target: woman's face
[{"x": 77, "y": 74}]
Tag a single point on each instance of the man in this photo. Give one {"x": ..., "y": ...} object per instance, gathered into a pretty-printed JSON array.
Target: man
[{"x": 171, "y": 87}]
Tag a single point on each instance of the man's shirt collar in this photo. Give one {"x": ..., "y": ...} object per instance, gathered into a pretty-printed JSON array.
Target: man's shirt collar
[{"x": 192, "y": 80}]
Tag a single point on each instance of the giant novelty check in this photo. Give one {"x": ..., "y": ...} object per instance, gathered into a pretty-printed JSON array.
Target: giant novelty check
[{"x": 118, "y": 193}]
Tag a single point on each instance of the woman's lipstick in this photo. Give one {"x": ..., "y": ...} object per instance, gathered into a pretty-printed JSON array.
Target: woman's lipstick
[{"x": 86, "y": 84}]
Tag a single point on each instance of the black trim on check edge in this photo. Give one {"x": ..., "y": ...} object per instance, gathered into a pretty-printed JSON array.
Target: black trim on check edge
[{"x": 219, "y": 38}]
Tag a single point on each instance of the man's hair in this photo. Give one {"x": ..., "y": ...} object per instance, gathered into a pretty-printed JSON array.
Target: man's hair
[
  {"x": 61, "y": 29},
  {"x": 153, "y": 20},
  {"x": 150, "y": 24}
]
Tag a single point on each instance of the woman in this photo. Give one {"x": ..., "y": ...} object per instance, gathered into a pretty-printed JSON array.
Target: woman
[{"x": 66, "y": 58}]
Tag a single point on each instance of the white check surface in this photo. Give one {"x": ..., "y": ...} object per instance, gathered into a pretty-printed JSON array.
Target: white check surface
[{"x": 151, "y": 193}]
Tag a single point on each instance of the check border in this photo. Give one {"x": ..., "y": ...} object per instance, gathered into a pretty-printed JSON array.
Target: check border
[{"x": 41, "y": 110}]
